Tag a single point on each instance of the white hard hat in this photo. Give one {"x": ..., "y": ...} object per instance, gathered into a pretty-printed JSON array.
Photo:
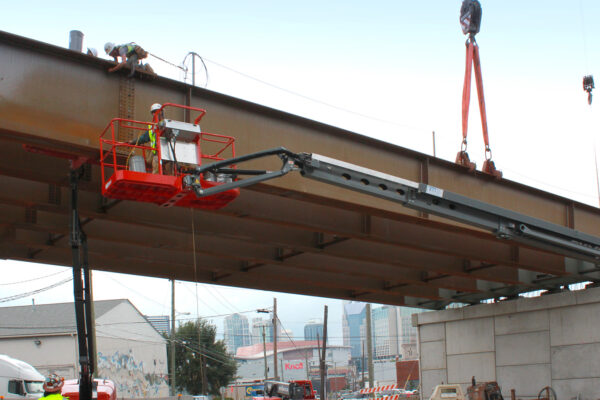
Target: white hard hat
[
  {"x": 92, "y": 52},
  {"x": 108, "y": 47},
  {"x": 155, "y": 107},
  {"x": 53, "y": 383}
]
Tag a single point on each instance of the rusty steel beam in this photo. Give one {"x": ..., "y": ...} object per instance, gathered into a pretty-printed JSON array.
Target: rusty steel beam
[
  {"x": 329, "y": 241},
  {"x": 366, "y": 253}
]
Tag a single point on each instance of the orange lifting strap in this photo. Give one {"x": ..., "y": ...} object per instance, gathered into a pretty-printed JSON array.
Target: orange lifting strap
[{"x": 470, "y": 21}]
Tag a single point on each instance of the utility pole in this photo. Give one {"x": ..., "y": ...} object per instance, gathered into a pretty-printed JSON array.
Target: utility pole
[
  {"x": 275, "y": 338},
  {"x": 322, "y": 360},
  {"x": 306, "y": 365},
  {"x": 172, "y": 344},
  {"x": 202, "y": 360},
  {"x": 265, "y": 352},
  {"x": 433, "y": 137},
  {"x": 370, "y": 344},
  {"x": 362, "y": 367},
  {"x": 93, "y": 321},
  {"x": 204, "y": 377}
]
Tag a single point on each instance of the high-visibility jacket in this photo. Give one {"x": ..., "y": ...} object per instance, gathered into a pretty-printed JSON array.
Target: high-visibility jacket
[
  {"x": 54, "y": 396},
  {"x": 152, "y": 137},
  {"x": 130, "y": 48}
]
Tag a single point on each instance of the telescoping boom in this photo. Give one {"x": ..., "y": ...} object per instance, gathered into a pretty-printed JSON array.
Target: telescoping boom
[{"x": 503, "y": 223}]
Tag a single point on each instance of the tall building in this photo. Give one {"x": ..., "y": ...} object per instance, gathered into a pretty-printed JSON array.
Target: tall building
[
  {"x": 313, "y": 330},
  {"x": 285, "y": 335},
  {"x": 384, "y": 331},
  {"x": 257, "y": 330},
  {"x": 237, "y": 332},
  {"x": 354, "y": 317},
  {"x": 407, "y": 333}
]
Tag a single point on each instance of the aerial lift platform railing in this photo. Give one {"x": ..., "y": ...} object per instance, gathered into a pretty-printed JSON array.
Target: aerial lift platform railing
[{"x": 179, "y": 145}]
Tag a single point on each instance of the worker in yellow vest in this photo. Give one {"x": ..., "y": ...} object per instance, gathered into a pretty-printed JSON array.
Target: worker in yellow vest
[
  {"x": 131, "y": 54},
  {"x": 149, "y": 136}
]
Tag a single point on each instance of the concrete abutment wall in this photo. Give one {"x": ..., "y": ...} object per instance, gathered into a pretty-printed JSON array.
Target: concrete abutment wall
[{"x": 523, "y": 344}]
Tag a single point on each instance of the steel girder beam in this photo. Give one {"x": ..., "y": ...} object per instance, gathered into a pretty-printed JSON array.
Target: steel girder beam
[{"x": 291, "y": 226}]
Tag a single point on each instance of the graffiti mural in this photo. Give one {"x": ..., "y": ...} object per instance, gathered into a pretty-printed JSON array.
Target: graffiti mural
[{"x": 132, "y": 378}]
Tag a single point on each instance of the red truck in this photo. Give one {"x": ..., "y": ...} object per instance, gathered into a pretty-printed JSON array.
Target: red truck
[{"x": 293, "y": 390}]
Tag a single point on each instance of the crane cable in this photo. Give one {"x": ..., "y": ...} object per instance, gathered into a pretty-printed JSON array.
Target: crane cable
[{"x": 588, "y": 86}]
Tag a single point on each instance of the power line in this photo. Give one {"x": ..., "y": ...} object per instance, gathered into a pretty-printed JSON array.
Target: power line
[
  {"x": 138, "y": 293},
  {"x": 285, "y": 331},
  {"x": 198, "y": 299},
  {"x": 227, "y": 303},
  {"x": 22, "y": 295},
  {"x": 35, "y": 279},
  {"x": 263, "y": 82},
  {"x": 316, "y": 100}
]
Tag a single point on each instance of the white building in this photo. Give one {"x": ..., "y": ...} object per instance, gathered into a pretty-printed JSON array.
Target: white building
[
  {"x": 130, "y": 351},
  {"x": 295, "y": 360}
]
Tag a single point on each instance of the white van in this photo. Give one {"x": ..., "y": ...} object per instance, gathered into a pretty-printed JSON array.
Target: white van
[{"x": 19, "y": 379}]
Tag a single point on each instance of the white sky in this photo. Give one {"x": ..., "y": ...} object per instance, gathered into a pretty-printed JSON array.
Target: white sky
[{"x": 396, "y": 61}]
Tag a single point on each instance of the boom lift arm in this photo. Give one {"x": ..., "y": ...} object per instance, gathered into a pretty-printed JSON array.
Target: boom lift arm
[{"x": 504, "y": 224}]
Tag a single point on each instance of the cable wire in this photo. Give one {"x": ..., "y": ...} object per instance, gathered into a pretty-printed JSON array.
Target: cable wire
[
  {"x": 22, "y": 295},
  {"x": 168, "y": 62},
  {"x": 35, "y": 279},
  {"x": 316, "y": 100}
]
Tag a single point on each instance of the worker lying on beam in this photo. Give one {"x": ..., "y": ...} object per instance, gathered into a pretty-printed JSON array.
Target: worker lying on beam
[{"x": 130, "y": 55}]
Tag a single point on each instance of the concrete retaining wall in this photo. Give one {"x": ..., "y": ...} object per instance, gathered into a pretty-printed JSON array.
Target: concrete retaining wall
[{"x": 524, "y": 344}]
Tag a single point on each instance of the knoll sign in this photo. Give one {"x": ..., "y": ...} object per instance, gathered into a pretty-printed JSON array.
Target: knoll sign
[{"x": 294, "y": 366}]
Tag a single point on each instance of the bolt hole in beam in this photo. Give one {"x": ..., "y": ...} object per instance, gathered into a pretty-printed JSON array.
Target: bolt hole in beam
[
  {"x": 383, "y": 187},
  {"x": 365, "y": 182},
  {"x": 346, "y": 176}
]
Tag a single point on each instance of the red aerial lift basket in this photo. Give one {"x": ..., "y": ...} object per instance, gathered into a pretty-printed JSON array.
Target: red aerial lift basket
[{"x": 127, "y": 168}]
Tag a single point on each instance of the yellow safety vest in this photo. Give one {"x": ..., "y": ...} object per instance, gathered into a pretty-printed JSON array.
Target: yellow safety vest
[
  {"x": 54, "y": 396},
  {"x": 152, "y": 137}
]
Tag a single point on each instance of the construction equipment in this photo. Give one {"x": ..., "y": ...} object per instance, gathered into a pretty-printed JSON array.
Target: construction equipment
[
  {"x": 102, "y": 389},
  {"x": 180, "y": 146},
  {"x": 293, "y": 390},
  {"x": 447, "y": 392},
  {"x": 504, "y": 224},
  {"x": 484, "y": 391},
  {"x": 470, "y": 21}
]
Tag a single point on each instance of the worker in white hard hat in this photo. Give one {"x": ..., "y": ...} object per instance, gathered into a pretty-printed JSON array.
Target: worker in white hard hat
[
  {"x": 149, "y": 136},
  {"x": 52, "y": 388},
  {"x": 130, "y": 55},
  {"x": 92, "y": 52}
]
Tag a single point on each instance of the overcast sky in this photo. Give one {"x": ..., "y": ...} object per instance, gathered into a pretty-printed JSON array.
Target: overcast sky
[{"x": 392, "y": 70}]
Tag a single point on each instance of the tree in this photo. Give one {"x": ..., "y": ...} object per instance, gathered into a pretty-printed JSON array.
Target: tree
[{"x": 220, "y": 366}]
